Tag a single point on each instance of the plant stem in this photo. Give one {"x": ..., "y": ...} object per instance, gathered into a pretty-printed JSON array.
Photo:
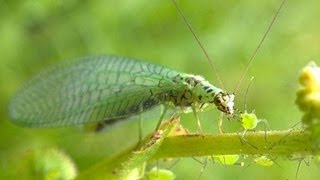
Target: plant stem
[
  {"x": 290, "y": 143},
  {"x": 279, "y": 143}
]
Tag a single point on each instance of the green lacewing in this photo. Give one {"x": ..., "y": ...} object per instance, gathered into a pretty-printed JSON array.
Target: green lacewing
[{"x": 107, "y": 89}]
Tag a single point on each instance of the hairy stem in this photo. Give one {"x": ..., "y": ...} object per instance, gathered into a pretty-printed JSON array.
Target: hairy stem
[
  {"x": 279, "y": 143},
  {"x": 290, "y": 143}
]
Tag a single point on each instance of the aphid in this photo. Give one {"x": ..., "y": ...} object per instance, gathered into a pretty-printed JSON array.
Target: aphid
[
  {"x": 263, "y": 161},
  {"x": 226, "y": 160},
  {"x": 223, "y": 160},
  {"x": 156, "y": 173},
  {"x": 249, "y": 121}
]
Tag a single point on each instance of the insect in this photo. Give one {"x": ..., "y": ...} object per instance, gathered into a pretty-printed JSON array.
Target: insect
[{"x": 109, "y": 89}]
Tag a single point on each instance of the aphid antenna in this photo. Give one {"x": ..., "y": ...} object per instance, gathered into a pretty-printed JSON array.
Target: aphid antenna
[
  {"x": 253, "y": 56},
  {"x": 199, "y": 43},
  {"x": 300, "y": 160},
  {"x": 246, "y": 94},
  {"x": 265, "y": 122},
  {"x": 197, "y": 160}
]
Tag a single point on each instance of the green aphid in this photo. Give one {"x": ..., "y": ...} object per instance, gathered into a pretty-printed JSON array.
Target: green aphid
[
  {"x": 227, "y": 160},
  {"x": 249, "y": 121},
  {"x": 160, "y": 174},
  {"x": 263, "y": 161}
]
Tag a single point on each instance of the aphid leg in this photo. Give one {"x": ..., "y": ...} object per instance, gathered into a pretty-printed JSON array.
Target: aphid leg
[
  {"x": 242, "y": 138},
  {"x": 220, "y": 121},
  {"x": 199, "y": 129},
  {"x": 224, "y": 161},
  {"x": 205, "y": 163},
  {"x": 197, "y": 160},
  {"x": 266, "y": 128},
  {"x": 161, "y": 117},
  {"x": 307, "y": 163},
  {"x": 298, "y": 168}
]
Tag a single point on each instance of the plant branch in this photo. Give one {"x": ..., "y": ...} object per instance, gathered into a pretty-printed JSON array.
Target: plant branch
[
  {"x": 288, "y": 144},
  {"x": 279, "y": 143}
]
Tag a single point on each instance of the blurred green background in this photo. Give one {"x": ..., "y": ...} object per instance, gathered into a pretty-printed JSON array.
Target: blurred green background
[{"x": 36, "y": 34}]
